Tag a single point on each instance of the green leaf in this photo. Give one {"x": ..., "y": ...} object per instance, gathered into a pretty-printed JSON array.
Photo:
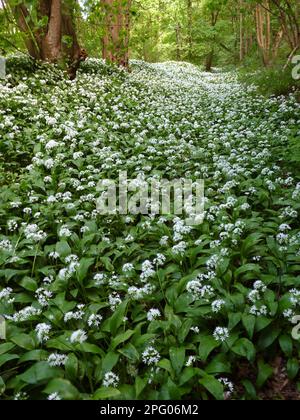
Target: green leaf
[
  {"x": 234, "y": 320},
  {"x": 89, "y": 348},
  {"x": 249, "y": 322},
  {"x": 166, "y": 365},
  {"x": 40, "y": 372},
  {"x": 107, "y": 263},
  {"x": 63, "y": 249},
  {"x": 286, "y": 344},
  {"x": 207, "y": 345},
  {"x": 244, "y": 348},
  {"x": 130, "y": 352},
  {"x": 34, "y": 355},
  {"x": 2, "y": 386},
  {"x": 6, "y": 347},
  {"x": 292, "y": 368},
  {"x": 184, "y": 330},
  {"x": 267, "y": 337},
  {"x": 106, "y": 393},
  {"x": 219, "y": 364},
  {"x": 24, "y": 341},
  {"x": 250, "y": 389},
  {"x": 265, "y": 371},
  {"x": 187, "y": 374},
  {"x": 118, "y": 317},
  {"x": 4, "y": 358},
  {"x": 121, "y": 338},
  {"x": 72, "y": 366},
  {"x": 64, "y": 388},
  {"x": 213, "y": 386},
  {"x": 177, "y": 356},
  {"x": 84, "y": 266},
  {"x": 247, "y": 268},
  {"x": 29, "y": 284},
  {"x": 250, "y": 242},
  {"x": 140, "y": 385},
  {"x": 109, "y": 362}
]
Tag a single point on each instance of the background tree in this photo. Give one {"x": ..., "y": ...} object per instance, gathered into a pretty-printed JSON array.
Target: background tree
[
  {"x": 117, "y": 19},
  {"x": 48, "y": 30}
]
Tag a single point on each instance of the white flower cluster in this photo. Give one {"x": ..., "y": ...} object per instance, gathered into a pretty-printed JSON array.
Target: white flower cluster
[
  {"x": 33, "y": 233},
  {"x": 110, "y": 380},
  {"x": 150, "y": 356},
  {"x": 78, "y": 336},
  {"x": 42, "y": 332},
  {"x": 56, "y": 359},
  {"x": 221, "y": 334}
]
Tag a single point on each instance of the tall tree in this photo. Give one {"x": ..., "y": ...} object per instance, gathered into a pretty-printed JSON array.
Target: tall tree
[
  {"x": 268, "y": 39},
  {"x": 117, "y": 14},
  {"x": 49, "y": 31}
]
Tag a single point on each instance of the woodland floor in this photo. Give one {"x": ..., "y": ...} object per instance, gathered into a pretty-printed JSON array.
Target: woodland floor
[{"x": 131, "y": 306}]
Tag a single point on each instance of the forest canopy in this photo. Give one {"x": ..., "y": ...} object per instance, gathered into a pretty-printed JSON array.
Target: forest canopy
[{"x": 209, "y": 32}]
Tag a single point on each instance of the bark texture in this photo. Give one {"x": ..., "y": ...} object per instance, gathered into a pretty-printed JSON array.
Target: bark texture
[
  {"x": 116, "y": 31},
  {"x": 54, "y": 39}
]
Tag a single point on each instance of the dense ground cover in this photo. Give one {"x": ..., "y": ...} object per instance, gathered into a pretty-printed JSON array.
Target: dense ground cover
[{"x": 137, "y": 306}]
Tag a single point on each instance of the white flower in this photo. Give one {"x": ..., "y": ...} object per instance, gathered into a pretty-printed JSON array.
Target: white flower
[
  {"x": 52, "y": 144},
  {"x": 147, "y": 271},
  {"x": 6, "y": 246},
  {"x": 65, "y": 232},
  {"x": 259, "y": 311},
  {"x": 114, "y": 300},
  {"x": 5, "y": 295},
  {"x": 229, "y": 387},
  {"x": 159, "y": 260},
  {"x": 153, "y": 314},
  {"x": 217, "y": 305},
  {"x": 150, "y": 356},
  {"x": 221, "y": 334},
  {"x": 56, "y": 359},
  {"x": 179, "y": 249},
  {"x": 12, "y": 225},
  {"x": 191, "y": 360},
  {"x": 43, "y": 296},
  {"x": 164, "y": 241},
  {"x": 33, "y": 233},
  {"x": 111, "y": 380},
  {"x": 195, "y": 329},
  {"x": 127, "y": 268},
  {"x": 49, "y": 163},
  {"x": 54, "y": 396},
  {"x": 100, "y": 279},
  {"x": 24, "y": 314},
  {"x": 94, "y": 320},
  {"x": 42, "y": 332},
  {"x": 78, "y": 336}
]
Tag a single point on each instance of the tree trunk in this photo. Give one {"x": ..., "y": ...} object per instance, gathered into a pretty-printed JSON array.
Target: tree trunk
[
  {"x": 117, "y": 31},
  {"x": 209, "y": 61},
  {"x": 242, "y": 37},
  {"x": 56, "y": 41},
  {"x": 190, "y": 24},
  {"x": 178, "y": 41},
  {"x": 263, "y": 31}
]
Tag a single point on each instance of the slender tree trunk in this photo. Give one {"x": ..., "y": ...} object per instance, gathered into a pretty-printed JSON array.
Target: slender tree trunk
[
  {"x": 117, "y": 31},
  {"x": 178, "y": 41},
  {"x": 190, "y": 24},
  {"x": 263, "y": 31},
  {"x": 242, "y": 37},
  {"x": 209, "y": 60}
]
